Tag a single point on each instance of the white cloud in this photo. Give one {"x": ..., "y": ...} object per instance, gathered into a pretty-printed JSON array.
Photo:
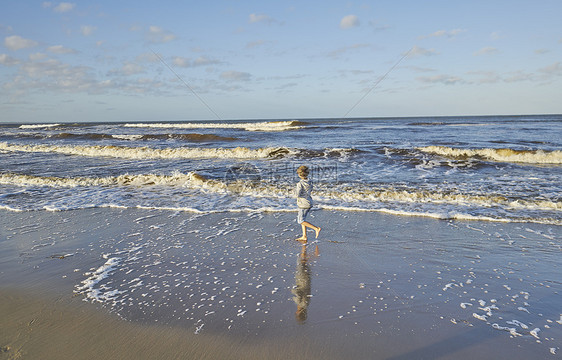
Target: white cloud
[
  {"x": 236, "y": 76},
  {"x": 486, "y": 51},
  {"x": 64, "y": 7},
  {"x": 37, "y": 56},
  {"x": 349, "y": 21},
  {"x": 205, "y": 61},
  {"x": 419, "y": 51},
  {"x": 181, "y": 61},
  {"x": 343, "y": 50},
  {"x": 486, "y": 77},
  {"x": 87, "y": 30},
  {"x": 128, "y": 69},
  {"x": 7, "y": 60},
  {"x": 496, "y": 35},
  {"x": 554, "y": 69},
  {"x": 256, "y": 18},
  {"x": 16, "y": 42},
  {"x": 254, "y": 44},
  {"x": 441, "y": 33},
  {"x": 59, "y": 49},
  {"x": 441, "y": 79},
  {"x": 518, "y": 76},
  {"x": 200, "y": 61},
  {"x": 158, "y": 35}
]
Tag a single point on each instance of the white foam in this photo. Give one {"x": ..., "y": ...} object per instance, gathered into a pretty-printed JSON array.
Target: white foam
[
  {"x": 535, "y": 333},
  {"x": 499, "y": 155},
  {"x": 480, "y": 317},
  {"x": 150, "y": 153},
  {"x": 38, "y": 126},
  {"x": 257, "y": 126},
  {"x": 9, "y": 208},
  {"x": 512, "y": 331},
  {"x": 517, "y": 323},
  {"x": 88, "y": 286}
]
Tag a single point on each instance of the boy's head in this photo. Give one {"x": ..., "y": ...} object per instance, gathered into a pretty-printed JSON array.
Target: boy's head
[{"x": 302, "y": 172}]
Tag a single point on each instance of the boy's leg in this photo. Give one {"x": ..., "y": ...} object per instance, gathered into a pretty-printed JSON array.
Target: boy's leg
[{"x": 315, "y": 228}]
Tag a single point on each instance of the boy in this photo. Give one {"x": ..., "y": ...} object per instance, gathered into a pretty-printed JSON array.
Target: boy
[{"x": 304, "y": 202}]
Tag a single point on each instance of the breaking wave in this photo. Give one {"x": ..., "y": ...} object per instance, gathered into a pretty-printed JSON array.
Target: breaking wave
[
  {"x": 193, "y": 137},
  {"x": 152, "y": 153},
  {"x": 498, "y": 155},
  {"x": 325, "y": 193},
  {"x": 175, "y": 153},
  {"x": 258, "y": 126},
  {"x": 38, "y": 126}
]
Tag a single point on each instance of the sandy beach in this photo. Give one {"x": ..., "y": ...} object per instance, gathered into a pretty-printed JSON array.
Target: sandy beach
[{"x": 145, "y": 284}]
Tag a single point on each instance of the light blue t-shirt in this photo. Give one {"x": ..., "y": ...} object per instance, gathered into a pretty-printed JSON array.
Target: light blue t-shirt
[{"x": 304, "y": 191}]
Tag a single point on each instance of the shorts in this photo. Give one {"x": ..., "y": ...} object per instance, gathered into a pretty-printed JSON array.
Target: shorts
[{"x": 303, "y": 213}]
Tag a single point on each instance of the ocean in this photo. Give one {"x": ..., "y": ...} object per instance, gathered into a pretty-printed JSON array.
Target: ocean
[
  {"x": 489, "y": 168},
  {"x": 440, "y": 236}
]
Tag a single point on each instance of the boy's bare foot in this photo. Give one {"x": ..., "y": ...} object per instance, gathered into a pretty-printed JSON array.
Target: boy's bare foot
[
  {"x": 317, "y": 231},
  {"x": 302, "y": 239}
]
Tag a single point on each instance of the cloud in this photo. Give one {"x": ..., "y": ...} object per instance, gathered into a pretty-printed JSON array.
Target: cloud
[
  {"x": 37, "y": 56},
  {"x": 59, "y": 49},
  {"x": 496, "y": 35},
  {"x": 254, "y": 44},
  {"x": 64, "y": 7},
  {"x": 127, "y": 69},
  {"x": 519, "y": 76},
  {"x": 442, "y": 33},
  {"x": 7, "y": 60},
  {"x": 417, "y": 51},
  {"x": 541, "y": 51},
  {"x": 441, "y": 79},
  {"x": 5, "y": 28},
  {"x": 87, "y": 30},
  {"x": 486, "y": 51},
  {"x": 486, "y": 77},
  {"x": 349, "y": 21},
  {"x": 200, "y": 61},
  {"x": 16, "y": 42},
  {"x": 256, "y": 18},
  {"x": 552, "y": 70},
  {"x": 157, "y": 35},
  {"x": 345, "y": 49},
  {"x": 236, "y": 76}
]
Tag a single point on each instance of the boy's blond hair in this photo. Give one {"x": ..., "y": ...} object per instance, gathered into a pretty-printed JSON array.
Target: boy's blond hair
[{"x": 303, "y": 171}]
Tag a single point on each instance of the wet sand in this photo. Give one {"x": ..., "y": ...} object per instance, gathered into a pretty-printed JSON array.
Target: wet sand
[{"x": 144, "y": 284}]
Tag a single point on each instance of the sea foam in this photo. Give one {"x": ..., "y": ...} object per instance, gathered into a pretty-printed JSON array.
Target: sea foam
[
  {"x": 498, "y": 155},
  {"x": 257, "y": 126}
]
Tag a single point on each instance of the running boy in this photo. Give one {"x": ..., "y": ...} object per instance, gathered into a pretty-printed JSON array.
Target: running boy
[{"x": 304, "y": 202}]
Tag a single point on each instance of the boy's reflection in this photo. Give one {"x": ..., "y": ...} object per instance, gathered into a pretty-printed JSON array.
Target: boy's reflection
[{"x": 301, "y": 290}]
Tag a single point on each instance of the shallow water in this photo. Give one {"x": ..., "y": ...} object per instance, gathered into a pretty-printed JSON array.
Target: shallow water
[{"x": 369, "y": 283}]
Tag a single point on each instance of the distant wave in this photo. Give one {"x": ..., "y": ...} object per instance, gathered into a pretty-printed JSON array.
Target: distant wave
[
  {"x": 498, "y": 155},
  {"x": 175, "y": 153},
  {"x": 193, "y": 137},
  {"x": 324, "y": 193},
  {"x": 38, "y": 126},
  {"x": 257, "y": 126}
]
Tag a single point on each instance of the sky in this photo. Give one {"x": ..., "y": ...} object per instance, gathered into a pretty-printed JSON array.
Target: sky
[{"x": 208, "y": 60}]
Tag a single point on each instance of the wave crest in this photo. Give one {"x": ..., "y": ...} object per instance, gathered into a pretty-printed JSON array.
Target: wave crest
[
  {"x": 499, "y": 155},
  {"x": 257, "y": 126},
  {"x": 323, "y": 192},
  {"x": 152, "y": 153}
]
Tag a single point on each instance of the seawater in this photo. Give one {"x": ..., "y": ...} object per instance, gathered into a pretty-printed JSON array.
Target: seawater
[{"x": 491, "y": 168}]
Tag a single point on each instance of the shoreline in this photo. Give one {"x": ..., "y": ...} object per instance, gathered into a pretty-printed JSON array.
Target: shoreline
[{"x": 382, "y": 286}]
